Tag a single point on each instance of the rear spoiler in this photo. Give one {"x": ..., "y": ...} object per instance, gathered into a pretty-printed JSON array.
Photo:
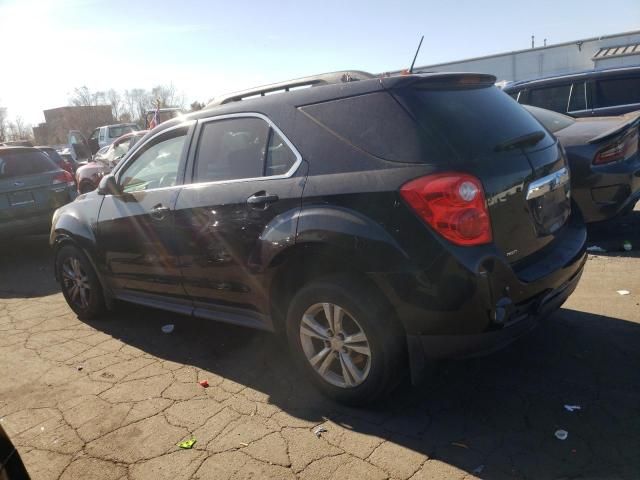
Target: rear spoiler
[
  {"x": 630, "y": 120},
  {"x": 439, "y": 80}
]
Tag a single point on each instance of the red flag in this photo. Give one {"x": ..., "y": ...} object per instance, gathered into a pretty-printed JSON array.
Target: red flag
[{"x": 156, "y": 117}]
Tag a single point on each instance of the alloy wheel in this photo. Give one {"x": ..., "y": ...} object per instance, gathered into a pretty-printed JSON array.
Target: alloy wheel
[
  {"x": 335, "y": 345},
  {"x": 76, "y": 282}
]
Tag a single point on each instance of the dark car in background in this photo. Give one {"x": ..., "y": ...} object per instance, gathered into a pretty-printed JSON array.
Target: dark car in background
[
  {"x": 11, "y": 466},
  {"x": 604, "y": 160},
  {"x": 32, "y": 187},
  {"x": 373, "y": 222},
  {"x": 52, "y": 153},
  {"x": 88, "y": 176},
  {"x": 586, "y": 94}
]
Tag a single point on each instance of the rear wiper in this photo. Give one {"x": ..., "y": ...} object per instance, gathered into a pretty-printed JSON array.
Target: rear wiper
[{"x": 528, "y": 140}]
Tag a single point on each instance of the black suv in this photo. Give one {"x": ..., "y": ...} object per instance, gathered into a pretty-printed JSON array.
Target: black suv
[
  {"x": 585, "y": 94},
  {"x": 375, "y": 222}
]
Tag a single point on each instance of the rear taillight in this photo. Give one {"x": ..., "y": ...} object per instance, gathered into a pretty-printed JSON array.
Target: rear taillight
[
  {"x": 453, "y": 204},
  {"x": 63, "y": 177},
  {"x": 623, "y": 148}
]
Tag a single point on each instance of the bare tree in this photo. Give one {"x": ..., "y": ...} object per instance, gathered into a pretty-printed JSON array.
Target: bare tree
[
  {"x": 83, "y": 97},
  {"x": 167, "y": 95},
  {"x": 19, "y": 130},
  {"x": 115, "y": 100},
  {"x": 3, "y": 124}
]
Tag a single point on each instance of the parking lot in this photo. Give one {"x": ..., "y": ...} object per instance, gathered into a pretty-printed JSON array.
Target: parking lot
[{"x": 111, "y": 399}]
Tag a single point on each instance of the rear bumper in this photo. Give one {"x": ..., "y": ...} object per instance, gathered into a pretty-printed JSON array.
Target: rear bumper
[
  {"x": 26, "y": 226},
  {"x": 472, "y": 301},
  {"x": 608, "y": 190},
  {"x": 464, "y": 346}
]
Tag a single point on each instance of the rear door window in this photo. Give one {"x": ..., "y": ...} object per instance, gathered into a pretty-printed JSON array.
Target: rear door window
[
  {"x": 554, "y": 98},
  {"x": 611, "y": 92}
]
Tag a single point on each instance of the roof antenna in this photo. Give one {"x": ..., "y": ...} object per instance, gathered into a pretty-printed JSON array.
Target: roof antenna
[{"x": 416, "y": 56}]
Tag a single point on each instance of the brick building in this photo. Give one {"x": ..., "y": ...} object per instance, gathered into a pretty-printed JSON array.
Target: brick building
[{"x": 58, "y": 122}]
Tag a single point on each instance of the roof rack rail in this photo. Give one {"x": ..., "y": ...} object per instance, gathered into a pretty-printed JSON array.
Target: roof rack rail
[{"x": 312, "y": 81}]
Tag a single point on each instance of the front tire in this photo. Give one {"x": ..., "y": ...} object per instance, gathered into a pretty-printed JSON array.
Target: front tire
[
  {"x": 346, "y": 340},
  {"x": 80, "y": 285}
]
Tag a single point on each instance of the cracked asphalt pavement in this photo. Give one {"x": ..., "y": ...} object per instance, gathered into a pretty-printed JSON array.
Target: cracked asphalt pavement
[{"x": 110, "y": 399}]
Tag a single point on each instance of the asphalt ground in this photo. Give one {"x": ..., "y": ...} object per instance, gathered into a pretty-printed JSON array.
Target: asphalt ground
[{"x": 110, "y": 399}]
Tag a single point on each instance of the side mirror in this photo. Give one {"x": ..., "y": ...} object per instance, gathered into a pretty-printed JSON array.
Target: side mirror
[{"x": 108, "y": 186}]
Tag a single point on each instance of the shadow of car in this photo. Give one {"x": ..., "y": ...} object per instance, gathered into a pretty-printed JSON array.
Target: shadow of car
[{"x": 11, "y": 466}]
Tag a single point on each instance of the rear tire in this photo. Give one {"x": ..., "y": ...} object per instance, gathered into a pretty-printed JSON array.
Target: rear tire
[
  {"x": 79, "y": 283},
  {"x": 346, "y": 340}
]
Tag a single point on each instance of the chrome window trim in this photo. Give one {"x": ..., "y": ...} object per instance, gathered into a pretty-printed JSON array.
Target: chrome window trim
[{"x": 288, "y": 174}]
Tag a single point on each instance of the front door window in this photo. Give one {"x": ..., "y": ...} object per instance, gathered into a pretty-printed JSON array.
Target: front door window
[{"x": 157, "y": 166}]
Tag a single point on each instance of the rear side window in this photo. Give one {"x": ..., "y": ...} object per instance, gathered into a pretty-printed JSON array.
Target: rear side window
[
  {"x": 578, "y": 100},
  {"x": 617, "y": 91},
  {"x": 473, "y": 121},
  {"x": 377, "y": 124},
  {"x": 554, "y": 98},
  {"x": 22, "y": 163}
]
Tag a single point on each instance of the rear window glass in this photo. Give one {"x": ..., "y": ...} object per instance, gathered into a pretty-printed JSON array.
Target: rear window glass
[
  {"x": 376, "y": 124},
  {"x": 552, "y": 98},
  {"x": 472, "y": 121},
  {"x": 53, "y": 155},
  {"x": 617, "y": 91},
  {"x": 22, "y": 163},
  {"x": 553, "y": 121},
  {"x": 115, "y": 132}
]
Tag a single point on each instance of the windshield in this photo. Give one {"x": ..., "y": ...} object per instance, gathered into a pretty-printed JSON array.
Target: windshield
[
  {"x": 553, "y": 121},
  {"x": 474, "y": 121}
]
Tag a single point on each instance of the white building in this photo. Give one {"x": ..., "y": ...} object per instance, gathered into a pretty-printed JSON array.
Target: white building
[{"x": 619, "y": 50}]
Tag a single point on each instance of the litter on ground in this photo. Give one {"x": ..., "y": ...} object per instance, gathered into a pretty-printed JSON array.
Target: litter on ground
[
  {"x": 572, "y": 408},
  {"x": 595, "y": 249},
  {"x": 623, "y": 292},
  {"x": 168, "y": 328},
  {"x": 187, "y": 444},
  {"x": 204, "y": 383},
  {"x": 561, "y": 434},
  {"x": 319, "y": 430}
]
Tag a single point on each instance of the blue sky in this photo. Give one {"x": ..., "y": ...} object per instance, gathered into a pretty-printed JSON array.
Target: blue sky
[{"x": 211, "y": 47}]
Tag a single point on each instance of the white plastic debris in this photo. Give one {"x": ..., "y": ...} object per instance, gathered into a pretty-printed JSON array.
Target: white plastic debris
[
  {"x": 623, "y": 292},
  {"x": 572, "y": 408},
  {"x": 168, "y": 328},
  {"x": 595, "y": 249},
  {"x": 627, "y": 246},
  {"x": 561, "y": 434},
  {"x": 319, "y": 430}
]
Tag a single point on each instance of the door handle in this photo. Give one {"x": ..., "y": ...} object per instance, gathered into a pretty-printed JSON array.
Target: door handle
[
  {"x": 261, "y": 200},
  {"x": 159, "y": 212}
]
